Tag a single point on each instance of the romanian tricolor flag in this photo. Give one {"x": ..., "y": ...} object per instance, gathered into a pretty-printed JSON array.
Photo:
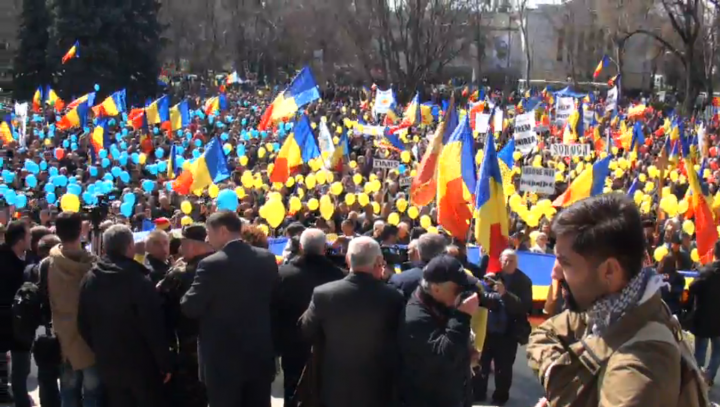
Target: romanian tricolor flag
[
  {"x": 614, "y": 80},
  {"x": 73, "y": 52},
  {"x": 179, "y": 116},
  {"x": 575, "y": 126},
  {"x": 233, "y": 78},
  {"x": 7, "y": 130},
  {"x": 424, "y": 185},
  {"x": 136, "y": 118},
  {"x": 302, "y": 90},
  {"x": 113, "y": 105},
  {"x": 210, "y": 168},
  {"x": 506, "y": 161},
  {"x": 342, "y": 152},
  {"x": 598, "y": 140},
  {"x": 89, "y": 98},
  {"x": 158, "y": 112},
  {"x": 100, "y": 138},
  {"x": 589, "y": 183},
  {"x": 491, "y": 217},
  {"x": 412, "y": 115},
  {"x": 37, "y": 100},
  {"x": 52, "y": 99},
  {"x": 173, "y": 169},
  {"x": 77, "y": 117},
  {"x": 456, "y": 181},
  {"x": 706, "y": 233},
  {"x": 299, "y": 148},
  {"x": 601, "y": 65},
  {"x": 215, "y": 105}
]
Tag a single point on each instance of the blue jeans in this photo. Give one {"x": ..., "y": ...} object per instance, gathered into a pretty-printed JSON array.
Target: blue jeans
[
  {"x": 77, "y": 385},
  {"x": 701, "y": 352}
]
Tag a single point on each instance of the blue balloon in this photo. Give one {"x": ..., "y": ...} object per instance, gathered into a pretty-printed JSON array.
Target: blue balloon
[
  {"x": 73, "y": 138},
  {"x": 3, "y": 188},
  {"x": 41, "y": 134},
  {"x": 66, "y": 144},
  {"x": 196, "y": 153},
  {"x": 8, "y": 176},
  {"x": 229, "y": 119},
  {"x": 2, "y": 161},
  {"x": 246, "y": 137},
  {"x": 10, "y": 196},
  {"x": 74, "y": 189},
  {"x": 288, "y": 126},
  {"x": 180, "y": 161},
  {"x": 135, "y": 158},
  {"x": 211, "y": 118},
  {"x": 97, "y": 87},
  {"x": 102, "y": 153},
  {"x": 31, "y": 167},
  {"x": 276, "y": 146},
  {"x": 91, "y": 189},
  {"x": 169, "y": 186},
  {"x": 50, "y": 197},
  {"x": 111, "y": 122},
  {"x": 115, "y": 153},
  {"x": 201, "y": 115},
  {"x": 263, "y": 134},
  {"x": 401, "y": 168},
  {"x": 179, "y": 150},
  {"x": 105, "y": 163},
  {"x": 53, "y": 171},
  {"x": 255, "y": 133},
  {"x": 227, "y": 200},
  {"x": 72, "y": 180},
  {"x": 115, "y": 171},
  {"x": 93, "y": 171},
  {"x": 179, "y": 133},
  {"x": 148, "y": 186},
  {"x": 108, "y": 177},
  {"x": 61, "y": 180},
  {"x": 107, "y": 186},
  {"x": 198, "y": 142},
  {"x": 188, "y": 135},
  {"x": 89, "y": 198},
  {"x": 224, "y": 136},
  {"x": 123, "y": 146},
  {"x": 155, "y": 130},
  {"x": 152, "y": 169},
  {"x": 125, "y": 177},
  {"x": 124, "y": 132},
  {"x": 243, "y": 122},
  {"x": 159, "y": 152},
  {"x": 162, "y": 166},
  {"x": 73, "y": 146},
  {"x": 126, "y": 209},
  {"x": 49, "y": 187},
  {"x": 130, "y": 198},
  {"x": 31, "y": 181},
  {"x": 241, "y": 150},
  {"x": 20, "y": 201},
  {"x": 43, "y": 165},
  {"x": 125, "y": 117}
]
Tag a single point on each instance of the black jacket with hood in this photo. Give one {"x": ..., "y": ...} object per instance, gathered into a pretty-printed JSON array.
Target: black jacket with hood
[{"x": 121, "y": 318}]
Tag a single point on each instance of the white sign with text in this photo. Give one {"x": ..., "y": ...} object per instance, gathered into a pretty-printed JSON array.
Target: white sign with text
[
  {"x": 570, "y": 150},
  {"x": 379, "y": 163},
  {"x": 537, "y": 180},
  {"x": 525, "y": 136},
  {"x": 563, "y": 109}
]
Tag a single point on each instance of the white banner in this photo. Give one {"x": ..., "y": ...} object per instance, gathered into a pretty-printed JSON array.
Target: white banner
[
  {"x": 588, "y": 117},
  {"x": 611, "y": 100},
  {"x": 384, "y": 99},
  {"x": 482, "y": 122},
  {"x": 563, "y": 109},
  {"x": 498, "y": 120},
  {"x": 525, "y": 137},
  {"x": 570, "y": 150},
  {"x": 327, "y": 148},
  {"x": 537, "y": 180},
  {"x": 382, "y": 164},
  {"x": 405, "y": 181},
  {"x": 21, "y": 111}
]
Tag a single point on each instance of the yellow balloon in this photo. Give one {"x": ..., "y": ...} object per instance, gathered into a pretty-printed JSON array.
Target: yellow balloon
[
  {"x": 310, "y": 181},
  {"x": 357, "y": 179},
  {"x": 300, "y": 193},
  {"x": 261, "y": 152},
  {"x": 619, "y": 173},
  {"x": 240, "y": 192},
  {"x": 336, "y": 188},
  {"x": 142, "y": 158},
  {"x": 321, "y": 177},
  {"x": 363, "y": 199},
  {"x": 186, "y": 207},
  {"x": 258, "y": 183},
  {"x": 394, "y": 218},
  {"x": 327, "y": 210},
  {"x": 186, "y": 220},
  {"x": 376, "y": 185},
  {"x": 638, "y": 197},
  {"x": 243, "y": 161},
  {"x": 350, "y": 198},
  {"x": 277, "y": 185},
  {"x": 290, "y": 182},
  {"x": 515, "y": 200},
  {"x": 401, "y": 204},
  {"x": 425, "y": 221},
  {"x": 688, "y": 227},
  {"x": 270, "y": 147},
  {"x": 352, "y": 163},
  {"x": 376, "y": 207},
  {"x": 649, "y": 186},
  {"x": 213, "y": 191},
  {"x": 405, "y": 156},
  {"x": 413, "y": 212},
  {"x": 642, "y": 177},
  {"x": 275, "y": 212},
  {"x": 295, "y": 204},
  {"x": 660, "y": 253},
  {"x": 694, "y": 255},
  {"x": 674, "y": 176},
  {"x": 683, "y": 206},
  {"x": 313, "y": 204},
  {"x": 329, "y": 177},
  {"x": 70, "y": 203},
  {"x": 517, "y": 155}
]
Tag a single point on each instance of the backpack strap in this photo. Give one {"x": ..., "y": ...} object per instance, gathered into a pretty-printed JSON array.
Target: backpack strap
[{"x": 653, "y": 331}]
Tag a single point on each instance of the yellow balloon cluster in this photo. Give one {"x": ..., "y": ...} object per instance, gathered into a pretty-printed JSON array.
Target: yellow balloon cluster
[
  {"x": 273, "y": 211},
  {"x": 327, "y": 208}
]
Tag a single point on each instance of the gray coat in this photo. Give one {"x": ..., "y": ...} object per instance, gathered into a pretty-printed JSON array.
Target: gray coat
[
  {"x": 357, "y": 320},
  {"x": 230, "y": 296}
]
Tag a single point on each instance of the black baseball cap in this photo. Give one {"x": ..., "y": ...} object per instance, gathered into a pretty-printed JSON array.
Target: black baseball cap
[
  {"x": 446, "y": 268},
  {"x": 196, "y": 232}
]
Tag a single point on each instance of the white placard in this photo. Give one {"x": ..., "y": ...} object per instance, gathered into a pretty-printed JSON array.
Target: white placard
[
  {"x": 498, "y": 120},
  {"x": 611, "y": 100},
  {"x": 570, "y": 150},
  {"x": 381, "y": 164},
  {"x": 525, "y": 136},
  {"x": 405, "y": 181},
  {"x": 537, "y": 180},
  {"x": 384, "y": 99},
  {"x": 21, "y": 111},
  {"x": 588, "y": 117},
  {"x": 482, "y": 122},
  {"x": 563, "y": 109}
]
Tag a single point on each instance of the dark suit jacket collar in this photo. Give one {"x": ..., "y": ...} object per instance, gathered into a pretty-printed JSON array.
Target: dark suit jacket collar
[
  {"x": 235, "y": 243},
  {"x": 361, "y": 278}
]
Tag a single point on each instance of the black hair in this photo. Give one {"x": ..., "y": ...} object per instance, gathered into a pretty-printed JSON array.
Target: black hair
[
  {"x": 230, "y": 220},
  {"x": 605, "y": 226},
  {"x": 388, "y": 230},
  {"x": 37, "y": 233},
  {"x": 68, "y": 226},
  {"x": 15, "y": 232}
]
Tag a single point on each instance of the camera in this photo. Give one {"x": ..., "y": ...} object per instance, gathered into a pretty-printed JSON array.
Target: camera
[{"x": 394, "y": 254}]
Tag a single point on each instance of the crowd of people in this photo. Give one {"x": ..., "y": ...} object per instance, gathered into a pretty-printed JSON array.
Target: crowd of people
[{"x": 373, "y": 301}]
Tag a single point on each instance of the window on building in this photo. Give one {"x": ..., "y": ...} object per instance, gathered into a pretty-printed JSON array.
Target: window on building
[{"x": 560, "y": 45}]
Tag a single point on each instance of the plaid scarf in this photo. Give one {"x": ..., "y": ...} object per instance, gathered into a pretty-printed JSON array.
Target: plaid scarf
[{"x": 609, "y": 309}]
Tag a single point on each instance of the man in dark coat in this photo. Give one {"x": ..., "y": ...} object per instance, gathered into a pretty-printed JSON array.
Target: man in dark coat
[
  {"x": 188, "y": 391},
  {"x": 429, "y": 246},
  {"x": 356, "y": 319},
  {"x": 507, "y": 327},
  {"x": 704, "y": 299},
  {"x": 121, "y": 319},
  {"x": 231, "y": 296},
  {"x": 292, "y": 296},
  {"x": 157, "y": 247},
  {"x": 13, "y": 261}
]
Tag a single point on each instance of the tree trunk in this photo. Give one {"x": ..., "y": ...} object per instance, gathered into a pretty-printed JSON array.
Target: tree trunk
[{"x": 690, "y": 94}]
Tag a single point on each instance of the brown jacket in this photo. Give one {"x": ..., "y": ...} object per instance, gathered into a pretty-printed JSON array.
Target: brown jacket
[
  {"x": 67, "y": 268},
  {"x": 638, "y": 373}
]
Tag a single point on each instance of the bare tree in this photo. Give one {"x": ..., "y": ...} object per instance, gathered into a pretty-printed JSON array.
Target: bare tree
[
  {"x": 522, "y": 16},
  {"x": 619, "y": 19}
]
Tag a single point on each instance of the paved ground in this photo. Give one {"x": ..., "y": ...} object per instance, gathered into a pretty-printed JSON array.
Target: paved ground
[{"x": 525, "y": 389}]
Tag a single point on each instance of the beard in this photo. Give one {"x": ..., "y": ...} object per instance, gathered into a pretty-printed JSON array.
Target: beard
[{"x": 570, "y": 302}]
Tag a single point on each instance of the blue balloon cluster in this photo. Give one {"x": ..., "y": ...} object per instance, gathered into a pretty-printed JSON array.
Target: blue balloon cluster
[{"x": 227, "y": 200}]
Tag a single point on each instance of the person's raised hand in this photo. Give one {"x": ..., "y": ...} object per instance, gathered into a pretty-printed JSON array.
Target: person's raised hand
[{"x": 470, "y": 304}]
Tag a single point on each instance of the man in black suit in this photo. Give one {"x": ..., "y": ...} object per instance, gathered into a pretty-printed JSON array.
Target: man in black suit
[
  {"x": 292, "y": 296},
  {"x": 356, "y": 319},
  {"x": 231, "y": 296},
  {"x": 507, "y": 327},
  {"x": 429, "y": 246}
]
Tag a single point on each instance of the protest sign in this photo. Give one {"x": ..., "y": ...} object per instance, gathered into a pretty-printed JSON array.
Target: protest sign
[
  {"x": 381, "y": 164},
  {"x": 482, "y": 122},
  {"x": 384, "y": 99},
  {"x": 498, "y": 120},
  {"x": 588, "y": 117},
  {"x": 537, "y": 180},
  {"x": 405, "y": 181},
  {"x": 563, "y": 110},
  {"x": 525, "y": 137},
  {"x": 570, "y": 150},
  {"x": 611, "y": 100}
]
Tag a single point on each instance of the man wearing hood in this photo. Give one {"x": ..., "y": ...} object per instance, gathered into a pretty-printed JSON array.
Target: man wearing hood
[
  {"x": 69, "y": 262},
  {"x": 121, "y": 319}
]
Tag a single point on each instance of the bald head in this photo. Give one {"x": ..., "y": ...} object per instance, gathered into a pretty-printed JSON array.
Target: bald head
[{"x": 363, "y": 254}]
